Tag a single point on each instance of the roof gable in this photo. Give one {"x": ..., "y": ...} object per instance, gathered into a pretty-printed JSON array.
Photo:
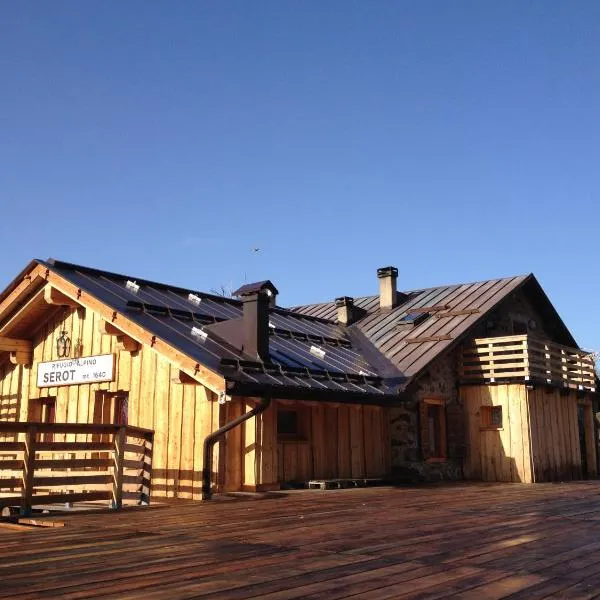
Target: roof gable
[{"x": 453, "y": 311}]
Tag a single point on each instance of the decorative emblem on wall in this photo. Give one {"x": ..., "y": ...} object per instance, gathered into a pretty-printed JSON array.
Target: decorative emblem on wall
[{"x": 63, "y": 345}]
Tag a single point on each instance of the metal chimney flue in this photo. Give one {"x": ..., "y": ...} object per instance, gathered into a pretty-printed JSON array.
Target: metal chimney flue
[
  {"x": 388, "y": 294},
  {"x": 256, "y": 298}
]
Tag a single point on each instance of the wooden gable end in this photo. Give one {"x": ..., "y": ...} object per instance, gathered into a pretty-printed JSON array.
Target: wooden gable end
[{"x": 161, "y": 391}]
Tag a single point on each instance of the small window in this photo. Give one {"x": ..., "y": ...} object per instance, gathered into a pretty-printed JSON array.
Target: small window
[
  {"x": 290, "y": 424},
  {"x": 491, "y": 417},
  {"x": 433, "y": 430}
]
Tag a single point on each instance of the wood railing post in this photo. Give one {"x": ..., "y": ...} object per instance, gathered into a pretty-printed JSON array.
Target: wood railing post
[
  {"x": 119, "y": 458},
  {"x": 147, "y": 474},
  {"x": 28, "y": 471}
]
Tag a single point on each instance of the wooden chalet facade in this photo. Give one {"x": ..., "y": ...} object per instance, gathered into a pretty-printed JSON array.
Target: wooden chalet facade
[{"x": 481, "y": 381}]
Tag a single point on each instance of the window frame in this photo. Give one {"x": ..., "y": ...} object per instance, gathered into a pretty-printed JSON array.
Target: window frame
[
  {"x": 486, "y": 420},
  {"x": 438, "y": 404},
  {"x": 301, "y": 434}
]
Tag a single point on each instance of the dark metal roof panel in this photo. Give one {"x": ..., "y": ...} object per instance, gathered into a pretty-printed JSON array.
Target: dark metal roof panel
[{"x": 169, "y": 315}]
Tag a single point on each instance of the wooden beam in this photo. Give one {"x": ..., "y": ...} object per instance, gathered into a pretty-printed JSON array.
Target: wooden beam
[
  {"x": 55, "y": 296},
  {"x": 20, "y": 351},
  {"x": 213, "y": 381},
  {"x": 433, "y": 338},
  {"x": 31, "y": 280},
  {"x": 124, "y": 342},
  {"x": 458, "y": 313},
  {"x": 21, "y": 357},
  {"x": 428, "y": 309},
  {"x": 183, "y": 377},
  {"x": 14, "y": 345}
]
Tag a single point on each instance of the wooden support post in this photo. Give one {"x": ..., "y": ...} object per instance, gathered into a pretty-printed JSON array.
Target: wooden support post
[
  {"x": 119, "y": 459},
  {"x": 28, "y": 471}
]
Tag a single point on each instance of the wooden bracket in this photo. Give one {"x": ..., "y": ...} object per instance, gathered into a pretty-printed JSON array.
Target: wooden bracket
[
  {"x": 124, "y": 342},
  {"x": 183, "y": 377},
  {"x": 53, "y": 295},
  {"x": 20, "y": 350}
]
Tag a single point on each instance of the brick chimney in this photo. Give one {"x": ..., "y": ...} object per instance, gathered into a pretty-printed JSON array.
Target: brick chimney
[
  {"x": 255, "y": 318},
  {"x": 346, "y": 312},
  {"x": 388, "y": 295}
]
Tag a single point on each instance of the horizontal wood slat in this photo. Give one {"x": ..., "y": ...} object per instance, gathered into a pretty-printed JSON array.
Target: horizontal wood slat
[
  {"x": 10, "y": 482},
  {"x": 76, "y": 497},
  {"x": 73, "y": 463},
  {"x": 12, "y": 446},
  {"x": 66, "y": 480},
  {"x": 521, "y": 356},
  {"x": 68, "y": 465},
  {"x": 73, "y": 446}
]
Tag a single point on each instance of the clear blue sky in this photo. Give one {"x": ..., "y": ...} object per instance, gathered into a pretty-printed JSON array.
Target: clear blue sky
[{"x": 456, "y": 140}]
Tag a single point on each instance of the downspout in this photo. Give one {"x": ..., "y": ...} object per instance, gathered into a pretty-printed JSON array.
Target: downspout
[{"x": 212, "y": 438}]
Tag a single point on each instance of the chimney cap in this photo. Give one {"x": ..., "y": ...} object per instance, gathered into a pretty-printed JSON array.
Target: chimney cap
[
  {"x": 344, "y": 301},
  {"x": 387, "y": 272},
  {"x": 252, "y": 289}
]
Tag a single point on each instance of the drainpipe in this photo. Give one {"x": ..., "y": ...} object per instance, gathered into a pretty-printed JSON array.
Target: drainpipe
[{"x": 212, "y": 438}]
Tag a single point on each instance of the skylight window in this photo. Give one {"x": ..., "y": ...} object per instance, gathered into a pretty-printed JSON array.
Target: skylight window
[{"x": 413, "y": 318}]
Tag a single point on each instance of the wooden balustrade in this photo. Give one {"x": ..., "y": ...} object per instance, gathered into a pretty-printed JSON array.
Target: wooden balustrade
[
  {"x": 523, "y": 357},
  {"x": 90, "y": 462}
]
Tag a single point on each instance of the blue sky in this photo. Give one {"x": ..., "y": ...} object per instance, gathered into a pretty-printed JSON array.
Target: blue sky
[{"x": 456, "y": 140}]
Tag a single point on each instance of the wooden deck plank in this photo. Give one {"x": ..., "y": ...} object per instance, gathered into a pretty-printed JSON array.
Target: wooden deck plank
[{"x": 459, "y": 541}]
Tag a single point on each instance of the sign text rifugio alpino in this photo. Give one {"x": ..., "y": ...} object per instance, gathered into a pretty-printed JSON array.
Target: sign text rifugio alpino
[{"x": 72, "y": 371}]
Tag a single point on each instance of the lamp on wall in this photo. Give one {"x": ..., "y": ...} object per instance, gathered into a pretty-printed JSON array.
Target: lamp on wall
[{"x": 63, "y": 345}]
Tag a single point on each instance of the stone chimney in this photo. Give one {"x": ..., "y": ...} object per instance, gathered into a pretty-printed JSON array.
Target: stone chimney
[
  {"x": 255, "y": 319},
  {"x": 346, "y": 312},
  {"x": 388, "y": 295}
]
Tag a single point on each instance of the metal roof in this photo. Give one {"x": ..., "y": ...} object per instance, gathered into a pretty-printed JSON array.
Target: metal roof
[
  {"x": 340, "y": 372},
  {"x": 456, "y": 308}
]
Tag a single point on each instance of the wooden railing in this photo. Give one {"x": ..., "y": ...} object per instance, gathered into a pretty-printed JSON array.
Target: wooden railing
[
  {"x": 522, "y": 357},
  {"x": 43, "y": 464}
]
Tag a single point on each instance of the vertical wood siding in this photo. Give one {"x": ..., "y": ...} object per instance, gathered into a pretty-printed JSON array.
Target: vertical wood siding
[
  {"x": 539, "y": 439},
  {"x": 181, "y": 415}
]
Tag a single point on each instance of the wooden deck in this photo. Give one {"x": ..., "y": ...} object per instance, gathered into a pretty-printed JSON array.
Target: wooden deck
[{"x": 462, "y": 541}]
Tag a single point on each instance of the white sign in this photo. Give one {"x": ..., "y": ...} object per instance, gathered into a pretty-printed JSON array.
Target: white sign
[{"x": 72, "y": 371}]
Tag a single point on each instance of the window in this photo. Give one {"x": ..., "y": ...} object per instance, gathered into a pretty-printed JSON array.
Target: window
[
  {"x": 433, "y": 429},
  {"x": 413, "y": 319},
  {"x": 291, "y": 424},
  {"x": 491, "y": 417}
]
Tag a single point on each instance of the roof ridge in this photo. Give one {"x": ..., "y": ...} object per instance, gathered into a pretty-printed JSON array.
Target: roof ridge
[
  {"x": 417, "y": 290},
  {"x": 59, "y": 263}
]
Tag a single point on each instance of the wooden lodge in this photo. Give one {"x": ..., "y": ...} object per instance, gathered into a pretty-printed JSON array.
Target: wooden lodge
[{"x": 115, "y": 388}]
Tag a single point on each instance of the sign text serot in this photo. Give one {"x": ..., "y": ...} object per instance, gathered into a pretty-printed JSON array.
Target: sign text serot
[{"x": 71, "y": 371}]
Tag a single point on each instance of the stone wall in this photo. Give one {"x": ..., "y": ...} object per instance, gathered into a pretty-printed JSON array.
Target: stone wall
[{"x": 408, "y": 465}]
